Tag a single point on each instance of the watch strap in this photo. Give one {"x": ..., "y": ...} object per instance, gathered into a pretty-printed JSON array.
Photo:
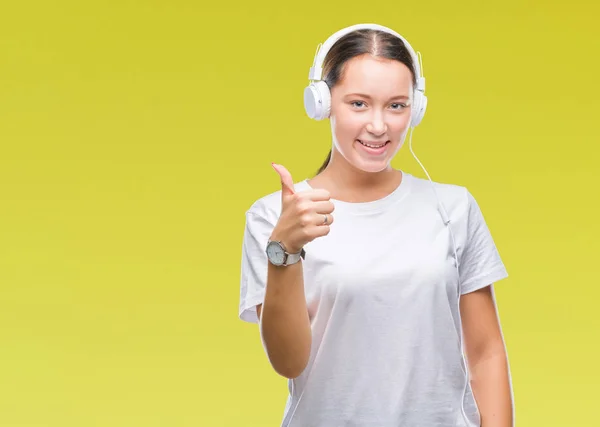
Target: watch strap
[{"x": 294, "y": 258}]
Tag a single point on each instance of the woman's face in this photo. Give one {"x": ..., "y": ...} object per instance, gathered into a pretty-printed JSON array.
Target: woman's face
[{"x": 371, "y": 105}]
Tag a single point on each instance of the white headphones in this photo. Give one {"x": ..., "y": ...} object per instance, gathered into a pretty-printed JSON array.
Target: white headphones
[{"x": 317, "y": 98}]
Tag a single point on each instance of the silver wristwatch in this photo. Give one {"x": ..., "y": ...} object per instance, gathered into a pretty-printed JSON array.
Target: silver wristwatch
[{"x": 279, "y": 256}]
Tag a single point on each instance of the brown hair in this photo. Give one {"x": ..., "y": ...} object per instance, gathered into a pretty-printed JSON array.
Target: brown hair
[{"x": 377, "y": 43}]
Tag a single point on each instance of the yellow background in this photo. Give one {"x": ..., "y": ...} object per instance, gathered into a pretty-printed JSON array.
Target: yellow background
[{"x": 135, "y": 134}]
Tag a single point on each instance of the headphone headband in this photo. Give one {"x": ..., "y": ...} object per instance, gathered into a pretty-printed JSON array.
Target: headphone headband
[{"x": 315, "y": 72}]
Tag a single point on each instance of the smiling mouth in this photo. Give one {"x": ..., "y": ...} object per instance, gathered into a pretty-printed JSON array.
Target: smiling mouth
[{"x": 372, "y": 144}]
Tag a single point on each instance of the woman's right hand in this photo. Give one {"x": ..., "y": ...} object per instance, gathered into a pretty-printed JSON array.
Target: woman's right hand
[{"x": 305, "y": 215}]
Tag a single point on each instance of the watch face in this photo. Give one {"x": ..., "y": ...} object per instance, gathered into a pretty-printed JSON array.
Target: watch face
[{"x": 275, "y": 253}]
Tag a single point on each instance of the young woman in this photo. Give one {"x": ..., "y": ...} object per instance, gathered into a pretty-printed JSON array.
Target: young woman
[{"x": 372, "y": 287}]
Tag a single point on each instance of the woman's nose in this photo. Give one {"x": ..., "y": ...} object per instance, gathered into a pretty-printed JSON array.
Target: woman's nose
[{"x": 376, "y": 125}]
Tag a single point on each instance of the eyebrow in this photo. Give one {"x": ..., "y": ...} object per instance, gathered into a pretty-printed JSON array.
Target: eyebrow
[{"x": 368, "y": 97}]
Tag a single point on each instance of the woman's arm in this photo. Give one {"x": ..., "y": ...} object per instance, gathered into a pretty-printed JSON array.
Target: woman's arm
[
  {"x": 487, "y": 358},
  {"x": 284, "y": 320}
]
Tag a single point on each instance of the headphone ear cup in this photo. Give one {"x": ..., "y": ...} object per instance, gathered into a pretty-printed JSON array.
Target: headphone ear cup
[
  {"x": 418, "y": 108},
  {"x": 317, "y": 100}
]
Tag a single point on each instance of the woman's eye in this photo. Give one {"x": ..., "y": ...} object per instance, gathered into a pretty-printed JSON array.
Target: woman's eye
[
  {"x": 357, "y": 102},
  {"x": 399, "y": 106}
]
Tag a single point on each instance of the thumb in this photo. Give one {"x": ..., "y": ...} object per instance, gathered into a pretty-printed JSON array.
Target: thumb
[{"x": 287, "y": 183}]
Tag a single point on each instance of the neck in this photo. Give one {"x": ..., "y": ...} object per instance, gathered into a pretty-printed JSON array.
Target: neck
[{"x": 346, "y": 182}]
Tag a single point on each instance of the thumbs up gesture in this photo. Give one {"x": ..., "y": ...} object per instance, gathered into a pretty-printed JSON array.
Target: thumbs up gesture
[{"x": 305, "y": 215}]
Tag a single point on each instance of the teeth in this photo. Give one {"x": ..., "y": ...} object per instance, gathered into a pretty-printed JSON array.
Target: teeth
[{"x": 371, "y": 146}]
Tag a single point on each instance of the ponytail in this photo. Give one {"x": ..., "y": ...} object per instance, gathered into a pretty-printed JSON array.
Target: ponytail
[{"x": 325, "y": 163}]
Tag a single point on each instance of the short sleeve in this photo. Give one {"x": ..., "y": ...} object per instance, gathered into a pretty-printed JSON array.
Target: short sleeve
[
  {"x": 480, "y": 263},
  {"x": 253, "y": 265}
]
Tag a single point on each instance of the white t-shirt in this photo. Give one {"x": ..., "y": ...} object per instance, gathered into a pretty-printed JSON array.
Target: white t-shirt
[{"x": 382, "y": 294}]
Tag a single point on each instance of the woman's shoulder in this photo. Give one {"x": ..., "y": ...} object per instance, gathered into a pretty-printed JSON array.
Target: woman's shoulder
[
  {"x": 450, "y": 193},
  {"x": 457, "y": 199}
]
